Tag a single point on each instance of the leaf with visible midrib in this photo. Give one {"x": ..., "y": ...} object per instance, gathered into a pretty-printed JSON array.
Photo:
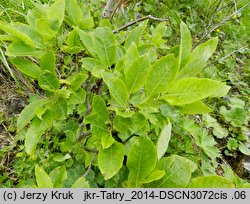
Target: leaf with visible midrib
[
  {"x": 160, "y": 75},
  {"x": 105, "y": 45},
  {"x": 28, "y": 113},
  {"x": 135, "y": 74},
  {"x": 42, "y": 178},
  {"x": 110, "y": 160},
  {"x": 118, "y": 91},
  {"x": 185, "y": 45},
  {"x": 27, "y": 67},
  {"x": 199, "y": 58},
  {"x": 141, "y": 161},
  {"x": 190, "y": 90},
  {"x": 56, "y": 11},
  {"x": 163, "y": 140}
]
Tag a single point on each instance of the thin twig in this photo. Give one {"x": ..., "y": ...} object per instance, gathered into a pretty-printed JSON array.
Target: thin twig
[
  {"x": 137, "y": 21},
  {"x": 235, "y": 5},
  {"x": 226, "y": 56},
  {"x": 220, "y": 23},
  {"x": 83, "y": 135},
  {"x": 90, "y": 165},
  {"x": 115, "y": 9}
]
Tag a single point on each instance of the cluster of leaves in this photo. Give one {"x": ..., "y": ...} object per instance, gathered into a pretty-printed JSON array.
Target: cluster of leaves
[{"x": 112, "y": 108}]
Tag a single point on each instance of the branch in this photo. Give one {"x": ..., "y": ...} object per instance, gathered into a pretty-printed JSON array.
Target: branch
[
  {"x": 107, "y": 11},
  {"x": 220, "y": 23},
  {"x": 113, "y": 13},
  {"x": 226, "y": 56},
  {"x": 137, "y": 21}
]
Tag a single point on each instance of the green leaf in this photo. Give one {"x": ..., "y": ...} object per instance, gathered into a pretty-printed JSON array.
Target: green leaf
[
  {"x": 185, "y": 45},
  {"x": 81, "y": 183},
  {"x": 10, "y": 29},
  {"x": 27, "y": 67},
  {"x": 141, "y": 161},
  {"x": 58, "y": 176},
  {"x": 56, "y": 11},
  {"x": 47, "y": 29},
  {"x": 42, "y": 178},
  {"x": 48, "y": 81},
  {"x": 244, "y": 148},
  {"x": 136, "y": 72},
  {"x": 87, "y": 41},
  {"x": 98, "y": 127},
  {"x": 199, "y": 58},
  {"x": 197, "y": 107},
  {"x": 48, "y": 62},
  {"x": 110, "y": 160},
  {"x": 78, "y": 16},
  {"x": 19, "y": 48},
  {"x": 163, "y": 140},
  {"x": 36, "y": 130},
  {"x": 59, "y": 109},
  {"x": 222, "y": 92},
  {"x": 160, "y": 75},
  {"x": 99, "y": 107},
  {"x": 118, "y": 91},
  {"x": 155, "y": 175},
  {"x": 211, "y": 181},
  {"x": 132, "y": 54},
  {"x": 190, "y": 90},
  {"x": 178, "y": 172},
  {"x": 28, "y": 113},
  {"x": 135, "y": 34},
  {"x": 76, "y": 80},
  {"x": 105, "y": 45},
  {"x": 107, "y": 141}
]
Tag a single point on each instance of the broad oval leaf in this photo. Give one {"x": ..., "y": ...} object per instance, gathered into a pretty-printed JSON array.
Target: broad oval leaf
[
  {"x": 197, "y": 107},
  {"x": 81, "y": 183},
  {"x": 163, "y": 140},
  {"x": 19, "y": 48},
  {"x": 10, "y": 29},
  {"x": 48, "y": 81},
  {"x": 136, "y": 72},
  {"x": 59, "y": 109},
  {"x": 155, "y": 175},
  {"x": 48, "y": 62},
  {"x": 42, "y": 178},
  {"x": 178, "y": 172},
  {"x": 110, "y": 160},
  {"x": 118, "y": 91},
  {"x": 56, "y": 11},
  {"x": 99, "y": 107},
  {"x": 28, "y": 113},
  {"x": 190, "y": 90},
  {"x": 36, "y": 130},
  {"x": 27, "y": 67},
  {"x": 199, "y": 58},
  {"x": 87, "y": 41},
  {"x": 105, "y": 45},
  {"x": 142, "y": 160},
  {"x": 160, "y": 75},
  {"x": 58, "y": 176},
  {"x": 211, "y": 181}
]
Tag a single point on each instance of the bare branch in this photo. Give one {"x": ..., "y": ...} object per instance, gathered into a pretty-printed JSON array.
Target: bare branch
[
  {"x": 228, "y": 55},
  {"x": 137, "y": 21},
  {"x": 221, "y": 23}
]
